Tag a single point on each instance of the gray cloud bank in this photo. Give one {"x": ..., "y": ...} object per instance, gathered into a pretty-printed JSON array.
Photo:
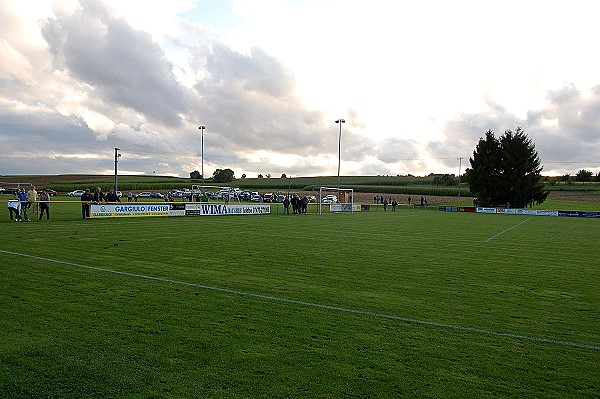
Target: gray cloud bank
[{"x": 99, "y": 84}]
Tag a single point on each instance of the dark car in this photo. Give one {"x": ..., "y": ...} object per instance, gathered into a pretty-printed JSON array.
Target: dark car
[
  {"x": 245, "y": 196},
  {"x": 50, "y": 191},
  {"x": 147, "y": 194}
]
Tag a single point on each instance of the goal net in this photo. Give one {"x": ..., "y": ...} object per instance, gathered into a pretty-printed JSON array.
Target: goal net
[{"x": 337, "y": 199}]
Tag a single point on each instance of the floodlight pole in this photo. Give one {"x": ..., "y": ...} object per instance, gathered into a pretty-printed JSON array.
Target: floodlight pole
[
  {"x": 202, "y": 127},
  {"x": 459, "y": 168},
  {"x": 340, "y": 121},
  {"x": 117, "y": 155}
]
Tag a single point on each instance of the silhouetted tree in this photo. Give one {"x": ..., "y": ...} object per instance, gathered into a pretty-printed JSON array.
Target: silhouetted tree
[
  {"x": 506, "y": 170},
  {"x": 195, "y": 175},
  {"x": 223, "y": 176},
  {"x": 584, "y": 176}
]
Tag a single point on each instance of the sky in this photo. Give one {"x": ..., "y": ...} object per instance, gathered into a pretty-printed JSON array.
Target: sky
[{"x": 417, "y": 83}]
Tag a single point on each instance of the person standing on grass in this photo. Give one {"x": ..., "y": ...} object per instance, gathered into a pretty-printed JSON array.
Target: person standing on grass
[
  {"x": 14, "y": 206},
  {"x": 44, "y": 205},
  {"x": 23, "y": 199},
  {"x": 394, "y": 205},
  {"x": 111, "y": 196},
  {"x": 32, "y": 198},
  {"x": 286, "y": 206},
  {"x": 86, "y": 199},
  {"x": 130, "y": 197}
]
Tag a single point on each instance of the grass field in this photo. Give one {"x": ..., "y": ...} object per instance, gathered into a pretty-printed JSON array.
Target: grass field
[{"x": 375, "y": 304}]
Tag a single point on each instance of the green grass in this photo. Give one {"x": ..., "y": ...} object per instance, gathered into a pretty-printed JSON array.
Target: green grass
[{"x": 228, "y": 312}]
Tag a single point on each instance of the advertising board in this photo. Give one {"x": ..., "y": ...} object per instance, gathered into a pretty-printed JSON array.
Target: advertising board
[
  {"x": 127, "y": 210},
  {"x": 206, "y": 209}
]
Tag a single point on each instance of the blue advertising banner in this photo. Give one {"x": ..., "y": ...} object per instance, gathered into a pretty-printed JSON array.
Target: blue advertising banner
[{"x": 579, "y": 214}]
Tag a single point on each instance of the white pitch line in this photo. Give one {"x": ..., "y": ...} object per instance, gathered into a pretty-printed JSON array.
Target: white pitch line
[
  {"x": 509, "y": 229},
  {"x": 317, "y": 305}
]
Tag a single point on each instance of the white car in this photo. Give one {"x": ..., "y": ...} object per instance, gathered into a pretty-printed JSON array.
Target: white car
[
  {"x": 329, "y": 199},
  {"x": 76, "y": 193}
]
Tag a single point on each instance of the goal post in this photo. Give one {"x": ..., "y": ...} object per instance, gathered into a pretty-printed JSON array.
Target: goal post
[{"x": 338, "y": 199}]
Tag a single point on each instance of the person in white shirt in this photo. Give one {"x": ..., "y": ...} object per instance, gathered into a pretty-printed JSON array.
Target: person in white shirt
[{"x": 14, "y": 206}]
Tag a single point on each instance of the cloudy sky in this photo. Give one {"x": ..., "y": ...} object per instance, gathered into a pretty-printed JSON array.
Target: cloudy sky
[{"x": 418, "y": 82}]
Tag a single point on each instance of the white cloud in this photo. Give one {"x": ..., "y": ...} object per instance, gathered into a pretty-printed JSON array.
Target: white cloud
[{"x": 417, "y": 82}]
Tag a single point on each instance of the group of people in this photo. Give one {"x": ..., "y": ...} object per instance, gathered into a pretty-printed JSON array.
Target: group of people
[
  {"x": 387, "y": 202},
  {"x": 393, "y": 203},
  {"x": 24, "y": 202},
  {"x": 98, "y": 197}
]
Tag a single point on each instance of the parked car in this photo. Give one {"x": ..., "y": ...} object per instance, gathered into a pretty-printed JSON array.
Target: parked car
[
  {"x": 268, "y": 197},
  {"x": 147, "y": 194},
  {"x": 50, "y": 191},
  {"x": 119, "y": 194},
  {"x": 279, "y": 198},
  {"x": 329, "y": 199},
  {"x": 256, "y": 198},
  {"x": 76, "y": 193},
  {"x": 245, "y": 196}
]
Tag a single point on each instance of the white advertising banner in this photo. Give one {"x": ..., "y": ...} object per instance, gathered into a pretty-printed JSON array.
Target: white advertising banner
[
  {"x": 485, "y": 210},
  {"x": 207, "y": 209},
  {"x": 344, "y": 208},
  {"x": 127, "y": 210}
]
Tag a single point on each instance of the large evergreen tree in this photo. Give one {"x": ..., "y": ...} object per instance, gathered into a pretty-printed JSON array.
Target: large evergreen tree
[{"x": 506, "y": 170}]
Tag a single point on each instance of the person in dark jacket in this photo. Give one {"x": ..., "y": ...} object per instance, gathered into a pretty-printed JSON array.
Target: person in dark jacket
[
  {"x": 286, "y": 206},
  {"x": 111, "y": 196},
  {"x": 99, "y": 196},
  {"x": 86, "y": 199},
  {"x": 44, "y": 205}
]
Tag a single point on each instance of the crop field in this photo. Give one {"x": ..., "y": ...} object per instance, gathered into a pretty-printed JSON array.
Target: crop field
[{"x": 411, "y": 303}]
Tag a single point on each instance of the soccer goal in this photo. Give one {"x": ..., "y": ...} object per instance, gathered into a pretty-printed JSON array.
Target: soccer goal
[{"x": 339, "y": 200}]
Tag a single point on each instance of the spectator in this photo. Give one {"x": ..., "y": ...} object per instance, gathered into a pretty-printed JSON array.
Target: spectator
[
  {"x": 408, "y": 200},
  {"x": 385, "y": 204},
  {"x": 86, "y": 199},
  {"x": 130, "y": 197},
  {"x": 23, "y": 199},
  {"x": 394, "y": 205},
  {"x": 286, "y": 206},
  {"x": 44, "y": 205},
  {"x": 111, "y": 196},
  {"x": 14, "y": 206},
  {"x": 32, "y": 199},
  {"x": 99, "y": 196}
]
